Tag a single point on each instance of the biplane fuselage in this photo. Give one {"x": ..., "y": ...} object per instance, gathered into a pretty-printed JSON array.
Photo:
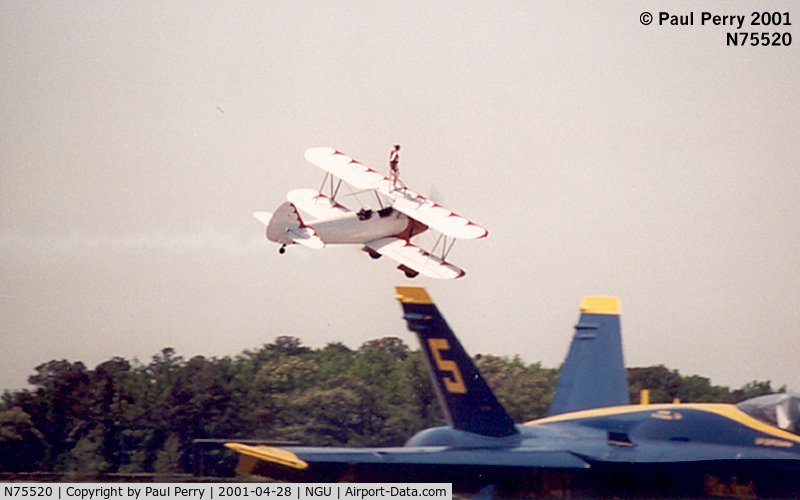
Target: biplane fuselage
[{"x": 356, "y": 229}]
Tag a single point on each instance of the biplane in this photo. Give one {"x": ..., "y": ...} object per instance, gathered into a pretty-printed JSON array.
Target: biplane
[
  {"x": 593, "y": 443},
  {"x": 385, "y": 231}
]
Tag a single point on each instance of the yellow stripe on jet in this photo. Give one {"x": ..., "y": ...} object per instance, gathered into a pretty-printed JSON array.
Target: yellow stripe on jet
[
  {"x": 600, "y": 305},
  {"x": 412, "y": 295},
  {"x": 269, "y": 454},
  {"x": 731, "y": 412}
]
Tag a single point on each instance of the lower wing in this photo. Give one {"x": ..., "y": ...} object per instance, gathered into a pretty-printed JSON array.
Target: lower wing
[
  {"x": 415, "y": 258},
  {"x": 316, "y": 204},
  {"x": 306, "y": 236}
]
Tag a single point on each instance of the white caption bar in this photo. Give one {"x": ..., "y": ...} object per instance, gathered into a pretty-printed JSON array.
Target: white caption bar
[{"x": 223, "y": 491}]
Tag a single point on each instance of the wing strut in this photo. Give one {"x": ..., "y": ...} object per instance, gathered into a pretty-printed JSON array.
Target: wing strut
[
  {"x": 380, "y": 202},
  {"x": 324, "y": 180},
  {"x": 332, "y": 191},
  {"x": 445, "y": 247}
]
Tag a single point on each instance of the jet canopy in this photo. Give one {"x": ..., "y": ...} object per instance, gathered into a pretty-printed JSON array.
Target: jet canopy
[{"x": 781, "y": 410}]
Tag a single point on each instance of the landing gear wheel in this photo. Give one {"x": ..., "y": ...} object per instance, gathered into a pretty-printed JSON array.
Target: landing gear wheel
[
  {"x": 282, "y": 249},
  {"x": 372, "y": 253},
  {"x": 410, "y": 273}
]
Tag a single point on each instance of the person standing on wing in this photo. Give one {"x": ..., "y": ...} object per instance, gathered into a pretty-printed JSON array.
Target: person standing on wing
[{"x": 394, "y": 170}]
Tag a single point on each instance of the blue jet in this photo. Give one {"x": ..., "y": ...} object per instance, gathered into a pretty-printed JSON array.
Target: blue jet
[{"x": 592, "y": 443}]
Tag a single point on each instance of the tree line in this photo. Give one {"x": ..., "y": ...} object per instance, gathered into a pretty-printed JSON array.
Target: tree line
[{"x": 129, "y": 417}]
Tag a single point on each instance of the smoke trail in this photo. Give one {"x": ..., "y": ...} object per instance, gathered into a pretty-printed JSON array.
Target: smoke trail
[{"x": 76, "y": 242}]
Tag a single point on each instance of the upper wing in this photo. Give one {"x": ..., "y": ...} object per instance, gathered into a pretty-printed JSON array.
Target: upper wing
[
  {"x": 344, "y": 167},
  {"x": 316, "y": 204},
  {"x": 386, "y": 464},
  {"x": 406, "y": 201},
  {"x": 432, "y": 214},
  {"x": 416, "y": 258}
]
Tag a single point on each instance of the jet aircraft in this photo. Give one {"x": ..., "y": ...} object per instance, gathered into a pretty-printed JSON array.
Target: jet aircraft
[
  {"x": 386, "y": 232},
  {"x": 592, "y": 443}
]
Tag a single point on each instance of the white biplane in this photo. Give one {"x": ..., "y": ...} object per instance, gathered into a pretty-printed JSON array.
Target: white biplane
[{"x": 387, "y": 231}]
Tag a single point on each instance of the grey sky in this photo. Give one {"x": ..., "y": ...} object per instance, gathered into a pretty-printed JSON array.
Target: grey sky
[{"x": 604, "y": 157}]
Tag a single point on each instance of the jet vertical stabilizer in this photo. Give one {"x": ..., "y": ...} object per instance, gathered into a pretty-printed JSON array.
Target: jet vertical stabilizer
[
  {"x": 468, "y": 402},
  {"x": 593, "y": 376}
]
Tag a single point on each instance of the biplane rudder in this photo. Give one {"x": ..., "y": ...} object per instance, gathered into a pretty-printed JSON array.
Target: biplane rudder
[
  {"x": 593, "y": 375},
  {"x": 285, "y": 219},
  {"x": 468, "y": 402},
  {"x": 286, "y": 227}
]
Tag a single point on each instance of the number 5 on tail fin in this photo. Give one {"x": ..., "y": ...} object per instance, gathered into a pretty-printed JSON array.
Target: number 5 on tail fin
[{"x": 468, "y": 402}]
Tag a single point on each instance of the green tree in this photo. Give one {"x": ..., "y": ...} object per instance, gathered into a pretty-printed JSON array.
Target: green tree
[
  {"x": 128, "y": 417},
  {"x": 754, "y": 389},
  {"x": 135, "y": 413},
  {"x": 333, "y": 360},
  {"x": 343, "y": 411},
  {"x": 59, "y": 408},
  {"x": 21, "y": 444},
  {"x": 414, "y": 407},
  {"x": 199, "y": 401},
  {"x": 663, "y": 383},
  {"x": 525, "y": 391},
  {"x": 110, "y": 397},
  {"x": 86, "y": 457},
  {"x": 274, "y": 388},
  {"x": 422, "y": 400},
  {"x": 168, "y": 459},
  {"x": 288, "y": 346},
  {"x": 394, "y": 346},
  {"x": 694, "y": 388},
  {"x": 378, "y": 364}
]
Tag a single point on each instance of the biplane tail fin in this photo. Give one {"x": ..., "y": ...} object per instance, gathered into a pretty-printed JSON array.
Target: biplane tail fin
[
  {"x": 286, "y": 226},
  {"x": 593, "y": 376},
  {"x": 468, "y": 402}
]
